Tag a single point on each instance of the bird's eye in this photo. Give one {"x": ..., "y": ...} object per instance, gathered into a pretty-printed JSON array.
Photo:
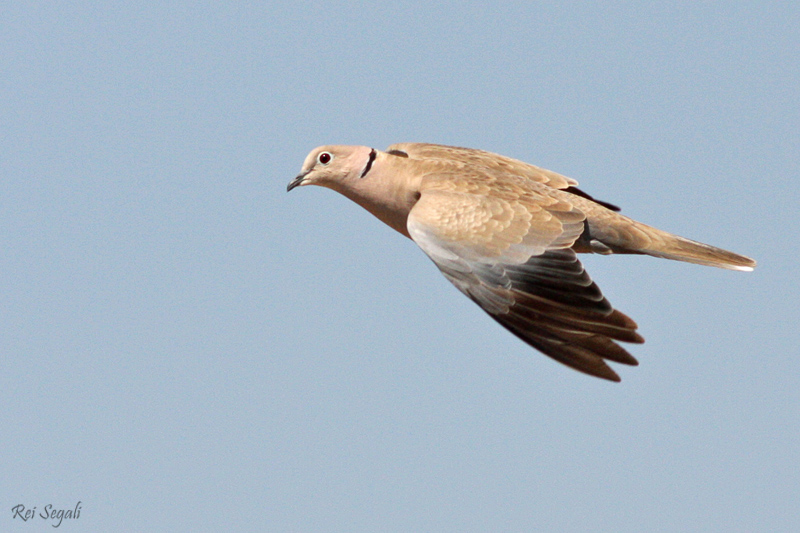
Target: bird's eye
[{"x": 324, "y": 158}]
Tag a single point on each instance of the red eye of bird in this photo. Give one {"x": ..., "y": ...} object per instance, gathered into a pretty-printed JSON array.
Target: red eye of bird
[{"x": 324, "y": 158}]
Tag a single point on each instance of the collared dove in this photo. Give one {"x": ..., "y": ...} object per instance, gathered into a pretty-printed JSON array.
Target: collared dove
[{"x": 506, "y": 233}]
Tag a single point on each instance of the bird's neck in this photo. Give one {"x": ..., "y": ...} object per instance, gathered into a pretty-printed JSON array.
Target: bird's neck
[{"x": 384, "y": 194}]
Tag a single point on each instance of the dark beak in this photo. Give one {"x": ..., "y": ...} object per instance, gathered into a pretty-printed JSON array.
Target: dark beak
[{"x": 295, "y": 182}]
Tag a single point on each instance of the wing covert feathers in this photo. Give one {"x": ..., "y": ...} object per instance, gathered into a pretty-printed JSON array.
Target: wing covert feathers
[{"x": 487, "y": 160}]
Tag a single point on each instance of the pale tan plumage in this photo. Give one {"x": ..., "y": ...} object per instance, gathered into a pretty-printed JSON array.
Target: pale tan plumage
[{"x": 505, "y": 233}]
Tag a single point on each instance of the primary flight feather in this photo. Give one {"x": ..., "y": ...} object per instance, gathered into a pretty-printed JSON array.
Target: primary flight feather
[{"x": 506, "y": 234}]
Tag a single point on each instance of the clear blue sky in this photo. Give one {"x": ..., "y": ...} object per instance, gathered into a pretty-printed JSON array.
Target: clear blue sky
[{"x": 187, "y": 347}]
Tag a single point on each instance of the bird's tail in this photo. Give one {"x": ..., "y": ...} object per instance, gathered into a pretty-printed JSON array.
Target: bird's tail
[
  {"x": 681, "y": 249},
  {"x": 624, "y": 235}
]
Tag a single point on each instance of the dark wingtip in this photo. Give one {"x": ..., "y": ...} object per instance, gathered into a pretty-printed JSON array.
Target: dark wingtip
[{"x": 577, "y": 192}]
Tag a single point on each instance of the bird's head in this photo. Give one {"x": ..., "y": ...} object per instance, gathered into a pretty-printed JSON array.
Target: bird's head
[{"x": 334, "y": 167}]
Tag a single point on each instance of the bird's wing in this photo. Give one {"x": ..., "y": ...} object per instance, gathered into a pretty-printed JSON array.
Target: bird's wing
[
  {"x": 481, "y": 158},
  {"x": 473, "y": 158},
  {"x": 507, "y": 247}
]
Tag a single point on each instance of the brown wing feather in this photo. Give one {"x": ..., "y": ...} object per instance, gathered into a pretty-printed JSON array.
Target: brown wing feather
[
  {"x": 482, "y": 159},
  {"x": 508, "y": 251},
  {"x": 556, "y": 308}
]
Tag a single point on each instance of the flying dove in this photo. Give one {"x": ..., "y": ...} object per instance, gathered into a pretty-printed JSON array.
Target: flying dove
[{"x": 506, "y": 234}]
